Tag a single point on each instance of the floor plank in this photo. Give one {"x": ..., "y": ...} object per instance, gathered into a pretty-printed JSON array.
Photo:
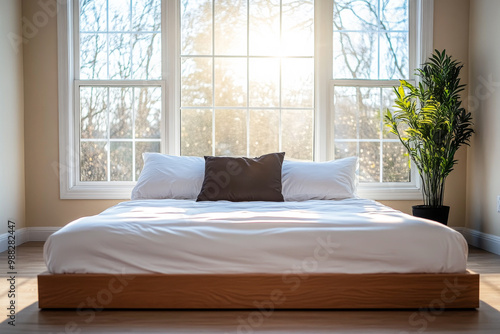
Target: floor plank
[{"x": 29, "y": 319}]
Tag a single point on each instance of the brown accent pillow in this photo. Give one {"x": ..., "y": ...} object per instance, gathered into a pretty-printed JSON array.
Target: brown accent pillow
[{"x": 243, "y": 179}]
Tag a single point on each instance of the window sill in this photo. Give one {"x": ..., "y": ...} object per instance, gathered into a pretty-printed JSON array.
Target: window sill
[
  {"x": 95, "y": 191},
  {"x": 389, "y": 192}
]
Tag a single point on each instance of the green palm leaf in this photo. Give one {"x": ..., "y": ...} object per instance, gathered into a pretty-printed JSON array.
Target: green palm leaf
[{"x": 437, "y": 125}]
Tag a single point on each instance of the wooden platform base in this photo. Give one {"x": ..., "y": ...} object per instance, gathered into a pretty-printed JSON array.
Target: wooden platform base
[{"x": 259, "y": 291}]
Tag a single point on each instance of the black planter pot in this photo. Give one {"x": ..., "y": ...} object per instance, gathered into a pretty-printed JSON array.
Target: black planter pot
[{"x": 439, "y": 213}]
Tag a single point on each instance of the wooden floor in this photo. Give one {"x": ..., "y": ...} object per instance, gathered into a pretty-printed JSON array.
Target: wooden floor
[{"x": 30, "y": 319}]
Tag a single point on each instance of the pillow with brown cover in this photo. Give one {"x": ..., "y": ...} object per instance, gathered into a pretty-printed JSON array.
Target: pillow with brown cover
[{"x": 239, "y": 179}]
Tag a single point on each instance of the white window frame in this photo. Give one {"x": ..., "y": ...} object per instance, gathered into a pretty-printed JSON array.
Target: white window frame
[
  {"x": 72, "y": 188},
  {"x": 69, "y": 108},
  {"x": 421, "y": 47}
]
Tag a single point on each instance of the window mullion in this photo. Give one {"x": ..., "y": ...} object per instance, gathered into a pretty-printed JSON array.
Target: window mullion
[
  {"x": 76, "y": 40},
  {"x": 381, "y": 160},
  {"x": 280, "y": 83},
  {"x": 131, "y": 43},
  {"x": 76, "y": 134},
  {"x": 368, "y": 82},
  {"x": 107, "y": 39},
  {"x": 379, "y": 12},
  {"x": 213, "y": 77},
  {"x": 248, "y": 78},
  {"x": 134, "y": 142},
  {"x": 323, "y": 70},
  {"x": 170, "y": 76},
  {"x": 108, "y": 134},
  {"x": 118, "y": 83}
]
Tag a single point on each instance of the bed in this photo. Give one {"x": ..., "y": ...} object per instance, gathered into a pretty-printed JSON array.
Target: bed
[
  {"x": 318, "y": 252},
  {"x": 308, "y": 254}
]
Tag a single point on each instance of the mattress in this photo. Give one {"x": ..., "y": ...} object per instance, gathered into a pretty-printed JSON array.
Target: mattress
[{"x": 188, "y": 237}]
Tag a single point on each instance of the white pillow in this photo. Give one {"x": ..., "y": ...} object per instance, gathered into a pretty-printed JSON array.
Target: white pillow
[
  {"x": 169, "y": 176},
  {"x": 334, "y": 179}
]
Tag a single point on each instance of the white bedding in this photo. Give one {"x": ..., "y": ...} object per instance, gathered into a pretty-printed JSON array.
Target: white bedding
[{"x": 324, "y": 236}]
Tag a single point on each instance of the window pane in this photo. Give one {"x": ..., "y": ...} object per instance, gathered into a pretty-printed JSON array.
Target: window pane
[
  {"x": 345, "y": 112},
  {"x": 146, "y": 15},
  {"x": 355, "y": 55},
  {"x": 119, "y": 56},
  {"x": 298, "y": 28},
  {"x": 146, "y": 56},
  {"x": 357, "y": 113},
  {"x": 196, "y": 82},
  {"x": 264, "y": 27},
  {"x": 93, "y": 161},
  {"x": 128, "y": 46},
  {"x": 231, "y": 132},
  {"x": 264, "y": 132},
  {"x": 231, "y": 82},
  {"x": 360, "y": 15},
  {"x": 230, "y": 23},
  {"x": 394, "y": 56},
  {"x": 388, "y": 96},
  {"x": 244, "y": 85},
  {"x": 297, "y": 134},
  {"x": 196, "y": 132},
  {"x": 120, "y": 112},
  {"x": 369, "y": 113},
  {"x": 121, "y": 161},
  {"x": 360, "y": 29},
  {"x": 148, "y": 112},
  {"x": 127, "y": 56},
  {"x": 93, "y": 112},
  {"x": 394, "y": 14},
  {"x": 140, "y": 148},
  {"x": 264, "y": 82},
  {"x": 345, "y": 149},
  {"x": 93, "y": 59},
  {"x": 93, "y": 15},
  {"x": 119, "y": 15},
  {"x": 297, "y": 83},
  {"x": 369, "y": 162},
  {"x": 196, "y": 27},
  {"x": 396, "y": 163}
]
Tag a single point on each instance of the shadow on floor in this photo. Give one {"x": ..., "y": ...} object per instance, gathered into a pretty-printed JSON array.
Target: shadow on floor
[{"x": 33, "y": 320}]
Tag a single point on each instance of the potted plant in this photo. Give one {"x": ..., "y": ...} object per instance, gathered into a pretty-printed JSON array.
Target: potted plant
[{"x": 431, "y": 123}]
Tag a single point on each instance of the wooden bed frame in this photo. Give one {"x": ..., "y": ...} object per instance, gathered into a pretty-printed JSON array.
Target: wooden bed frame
[{"x": 259, "y": 291}]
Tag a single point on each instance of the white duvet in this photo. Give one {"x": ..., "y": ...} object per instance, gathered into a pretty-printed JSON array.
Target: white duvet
[{"x": 184, "y": 236}]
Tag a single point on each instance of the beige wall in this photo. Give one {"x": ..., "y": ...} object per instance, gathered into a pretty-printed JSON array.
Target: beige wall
[
  {"x": 451, "y": 31},
  {"x": 484, "y": 155},
  {"x": 12, "y": 198},
  {"x": 44, "y": 208}
]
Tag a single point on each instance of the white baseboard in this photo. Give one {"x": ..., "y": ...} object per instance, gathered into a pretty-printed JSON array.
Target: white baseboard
[
  {"x": 488, "y": 242},
  {"x": 21, "y": 237},
  {"x": 41, "y": 233},
  {"x": 27, "y": 234}
]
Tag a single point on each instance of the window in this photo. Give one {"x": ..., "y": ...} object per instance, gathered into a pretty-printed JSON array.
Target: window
[
  {"x": 118, "y": 87},
  {"x": 374, "y": 45},
  {"x": 234, "y": 77},
  {"x": 247, "y": 77},
  {"x": 371, "y": 51}
]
